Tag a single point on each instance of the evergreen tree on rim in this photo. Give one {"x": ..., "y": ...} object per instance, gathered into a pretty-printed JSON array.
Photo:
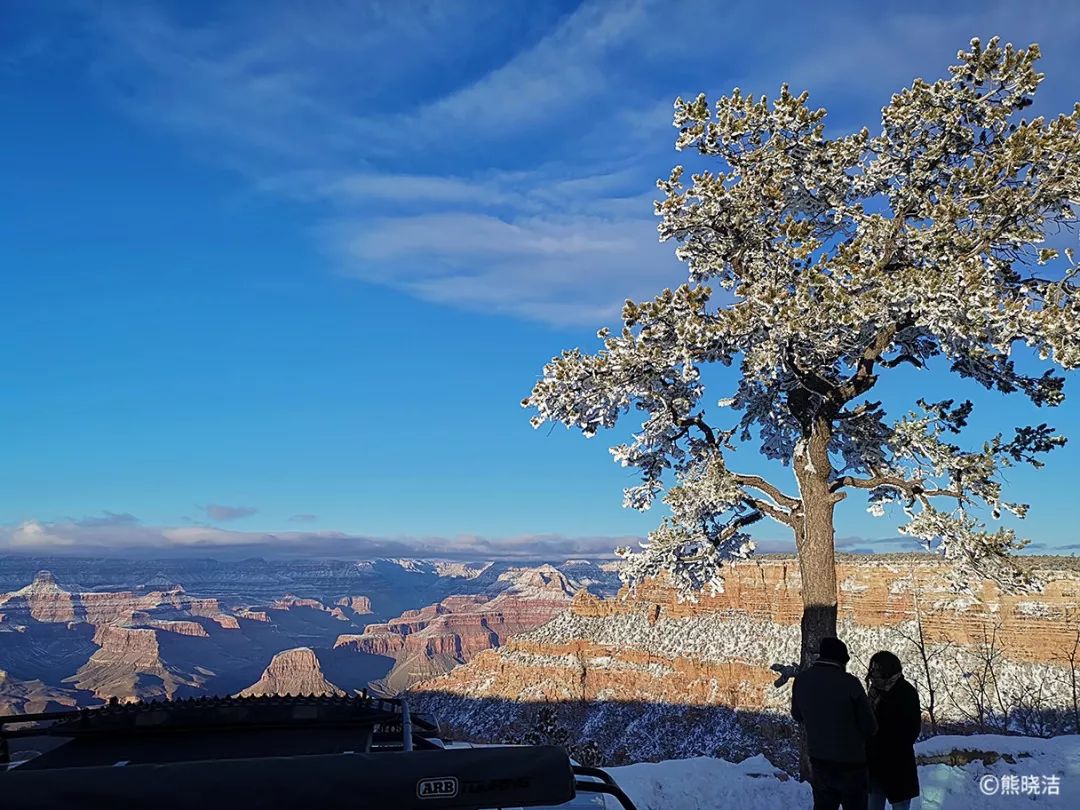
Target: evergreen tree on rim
[{"x": 841, "y": 259}]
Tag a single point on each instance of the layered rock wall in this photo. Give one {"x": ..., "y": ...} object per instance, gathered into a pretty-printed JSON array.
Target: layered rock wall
[
  {"x": 650, "y": 646},
  {"x": 435, "y": 639}
]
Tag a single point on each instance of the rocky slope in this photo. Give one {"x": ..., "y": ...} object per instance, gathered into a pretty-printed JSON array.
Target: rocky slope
[
  {"x": 990, "y": 658},
  {"x": 28, "y": 697},
  {"x": 293, "y": 672},
  {"x": 390, "y": 585},
  {"x": 128, "y": 665},
  {"x": 435, "y": 639},
  {"x": 43, "y": 600}
]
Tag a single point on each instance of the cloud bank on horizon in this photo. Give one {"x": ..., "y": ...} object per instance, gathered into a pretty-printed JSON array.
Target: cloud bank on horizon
[{"x": 123, "y": 534}]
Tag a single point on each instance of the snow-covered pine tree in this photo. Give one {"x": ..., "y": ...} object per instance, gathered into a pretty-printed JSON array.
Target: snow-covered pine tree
[
  {"x": 840, "y": 259},
  {"x": 548, "y": 730}
]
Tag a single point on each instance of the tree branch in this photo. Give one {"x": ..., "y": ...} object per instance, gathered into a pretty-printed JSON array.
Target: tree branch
[
  {"x": 741, "y": 523},
  {"x": 687, "y": 422},
  {"x": 910, "y": 488},
  {"x": 768, "y": 509},
  {"x": 864, "y": 378},
  {"x": 814, "y": 383},
  {"x": 760, "y": 484},
  {"x": 903, "y": 358}
]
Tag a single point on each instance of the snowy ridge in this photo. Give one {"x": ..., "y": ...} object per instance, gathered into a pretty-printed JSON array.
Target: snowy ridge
[{"x": 719, "y": 638}]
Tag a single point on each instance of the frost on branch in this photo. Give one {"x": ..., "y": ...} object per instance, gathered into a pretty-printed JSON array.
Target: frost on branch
[
  {"x": 919, "y": 469},
  {"x": 709, "y": 509},
  {"x": 921, "y": 244}
]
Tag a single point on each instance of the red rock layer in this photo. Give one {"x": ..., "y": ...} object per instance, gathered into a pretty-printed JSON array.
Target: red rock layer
[
  {"x": 875, "y": 594},
  {"x": 436, "y": 638}
]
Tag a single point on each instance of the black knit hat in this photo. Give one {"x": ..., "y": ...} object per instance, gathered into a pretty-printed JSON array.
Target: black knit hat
[{"x": 833, "y": 649}]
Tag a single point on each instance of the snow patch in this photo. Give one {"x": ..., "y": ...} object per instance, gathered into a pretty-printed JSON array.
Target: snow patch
[{"x": 705, "y": 783}]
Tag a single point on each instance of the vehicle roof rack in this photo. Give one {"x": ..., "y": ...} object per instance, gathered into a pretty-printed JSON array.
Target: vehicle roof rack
[{"x": 269, "y": 752}]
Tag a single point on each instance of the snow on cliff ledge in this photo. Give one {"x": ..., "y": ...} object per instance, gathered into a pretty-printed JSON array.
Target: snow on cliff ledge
[{"x": 703, "y": 783}]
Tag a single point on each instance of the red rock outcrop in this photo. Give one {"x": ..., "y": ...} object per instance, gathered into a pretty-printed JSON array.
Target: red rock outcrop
[
  {"x": 718, "y": 651},
  {"x": 293, "y": 672},
  {"x": 126, "y": 624},
  {"x": 439, "y": 637},
  {"x": 224, "y": 620},
  {"x": 44, "y": 600},
  {"x": 291, "y": 600},
  {"x": 128, "y": 666},
  {"x": 127, "y": 641},
  {"x": 253, "y": 615},
  {"x": 877, "y": 593},
  {"x": 183, "y": 628},
  {"x": 360, "y": 605}
]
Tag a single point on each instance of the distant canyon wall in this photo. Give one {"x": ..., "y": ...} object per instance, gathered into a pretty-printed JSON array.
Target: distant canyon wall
[{"x": 988, "y": 658}]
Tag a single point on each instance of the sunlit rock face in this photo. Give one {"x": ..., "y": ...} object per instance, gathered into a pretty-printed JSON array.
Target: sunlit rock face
[
  {"x": 360, "y": 605},
  {"x": 74, "y": 646},
  {"x": 42, "y": 600},
  {"x": 439, "y": 637},
  {"x": 29, "y": 696},
  {"x": 650, "y": 646},
  {"x": 293, "y": 672},
  {"x": 128, "y": 665}
]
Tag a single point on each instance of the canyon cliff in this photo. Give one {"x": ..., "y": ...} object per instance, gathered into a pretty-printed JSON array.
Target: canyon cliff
[
  {"x": 727, "y": 650},
  {"x": 437, "y": 638}
]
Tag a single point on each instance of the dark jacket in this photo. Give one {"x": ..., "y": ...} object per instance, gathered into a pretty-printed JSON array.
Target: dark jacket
[
  {"x": 890, "y": 753},
  {"x": 832, "y": 705}
]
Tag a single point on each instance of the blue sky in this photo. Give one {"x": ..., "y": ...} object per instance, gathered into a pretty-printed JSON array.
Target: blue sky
[{"x": 281, "y": 275}]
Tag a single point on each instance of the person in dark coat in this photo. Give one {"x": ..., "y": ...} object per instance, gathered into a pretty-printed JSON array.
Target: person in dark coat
[
  {"x": 890, "y": 753},
  {"x": 833, "y": 708}
]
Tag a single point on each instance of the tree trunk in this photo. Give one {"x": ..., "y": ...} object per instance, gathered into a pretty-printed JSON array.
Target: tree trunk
[
  {"x": 814, "y": 539},
  {"x": 817, "y": 560}
]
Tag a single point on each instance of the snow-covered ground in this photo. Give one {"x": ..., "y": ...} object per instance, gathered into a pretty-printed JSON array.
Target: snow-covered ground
[{"x": 1043, "y": 773}]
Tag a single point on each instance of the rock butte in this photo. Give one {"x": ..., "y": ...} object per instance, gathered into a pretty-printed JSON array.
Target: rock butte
[{"x": 293, "y": 672}]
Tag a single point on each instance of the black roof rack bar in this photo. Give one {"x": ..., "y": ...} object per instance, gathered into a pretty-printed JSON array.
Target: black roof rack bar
[
  {"x": 406, "y": 727},
  {"x": 113, "y": 717},
  {"x": 609, "y": 789},
  {"x": 598, "y": 773},
  {"x": 12, "y": 719}
]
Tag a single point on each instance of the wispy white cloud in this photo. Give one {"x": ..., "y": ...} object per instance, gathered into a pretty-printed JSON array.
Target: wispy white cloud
[
  {"x": 517, "y": 180},
  {"x": 565, "y": 69},
  {"x": 564, "y": 270}
]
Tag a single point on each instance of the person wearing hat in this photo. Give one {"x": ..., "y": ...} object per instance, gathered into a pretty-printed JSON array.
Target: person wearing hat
[{"x": 833, "y": 708}]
